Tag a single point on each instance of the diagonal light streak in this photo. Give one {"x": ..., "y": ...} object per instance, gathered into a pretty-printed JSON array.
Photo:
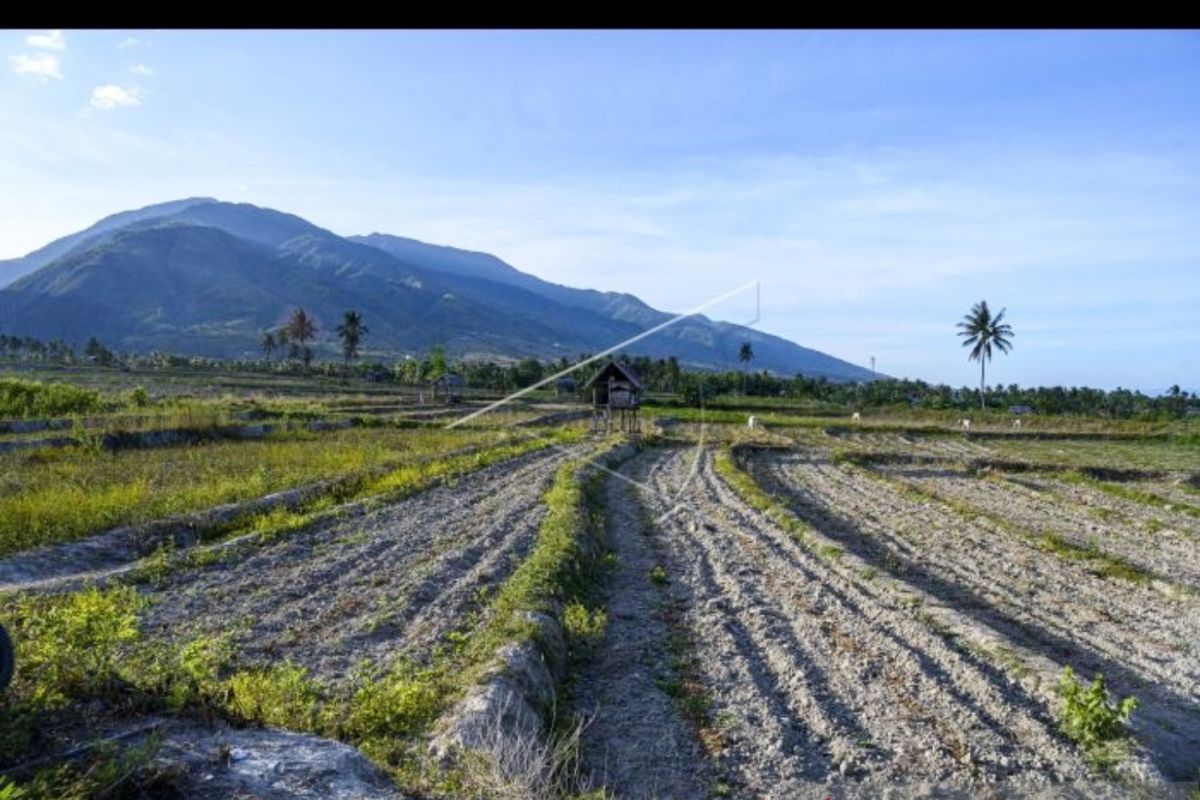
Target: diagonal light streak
[{"x": 650, "y": 332}]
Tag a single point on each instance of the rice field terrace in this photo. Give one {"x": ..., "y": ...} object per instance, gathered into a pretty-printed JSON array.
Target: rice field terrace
[{"x": 390, "y": 607}]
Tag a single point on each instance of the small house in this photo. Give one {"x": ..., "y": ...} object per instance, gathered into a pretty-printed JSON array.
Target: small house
[
  {"x": 564, "y": 386},
  {"x": 449, "y": 388},
  {"x": 377, "y": 374},
  {"x": 1020, "y": 409},
  {"x": 616, "y": 398}
]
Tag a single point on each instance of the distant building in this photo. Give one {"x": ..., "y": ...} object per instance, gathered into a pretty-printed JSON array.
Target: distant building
[
  {"x": 616, "y": 398},
  {"x": 377, "y": 374},
  {"x": 1020, "y": 409},
  {"x": 449, "y": 388}
]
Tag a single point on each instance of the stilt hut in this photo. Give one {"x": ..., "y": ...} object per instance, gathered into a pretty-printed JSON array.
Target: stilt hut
[
  {"x": 616, "y": 398},
  {"x": 564, "y": 387},
  {"x": 448, "y": 388}
]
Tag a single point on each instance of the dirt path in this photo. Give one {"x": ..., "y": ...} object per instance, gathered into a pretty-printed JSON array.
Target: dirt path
[
  {"x": 384, "y": 585},
  {"x": 636, "y": 745},
  {"x": 1047, "y": 611},
  {"x": 820, "y": 682}
]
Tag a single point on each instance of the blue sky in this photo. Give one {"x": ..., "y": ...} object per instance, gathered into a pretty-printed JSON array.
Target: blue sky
[{"x": 876, "y": 183}]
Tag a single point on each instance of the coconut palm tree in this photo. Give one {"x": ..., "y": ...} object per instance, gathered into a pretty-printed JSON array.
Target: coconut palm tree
[
  {"x": 351, "y": 332},
  {"x": 268, "y": 344},
  {"x": 301, "y": 328},
  {"x": 982, "y": 330},
  {"x": 745, "y": 355}
]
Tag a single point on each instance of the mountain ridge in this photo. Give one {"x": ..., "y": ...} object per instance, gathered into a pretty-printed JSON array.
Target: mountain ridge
[{"x": 204, "y": 276}]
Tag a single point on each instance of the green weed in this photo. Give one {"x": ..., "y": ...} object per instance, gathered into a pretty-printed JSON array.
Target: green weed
[
  {"x": 69, "y": 644},
  {"x": 1091, "y": 718},
  {"x": 282, "y": 695},
  {"x": 400, "y": 704},
  {"x": 582, "y": 624}
]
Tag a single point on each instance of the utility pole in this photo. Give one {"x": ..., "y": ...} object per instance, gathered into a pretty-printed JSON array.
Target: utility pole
[{"x": 872, "y": 367}]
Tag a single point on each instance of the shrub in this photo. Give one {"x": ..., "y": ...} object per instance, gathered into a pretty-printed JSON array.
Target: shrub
[
  {"x": 658, "y": 575},
  {"x": 1089, "y": 716},
  {"x": 26, "y": 399},
  {"x": 11, "y": 791},
  {"x": 582, "y": 624},
  {"x": 282, "y": 695},
  {"x": 401, "y": 703},
  {"x": 69, "y": 645},
  {"x": 139, "y": 397}
]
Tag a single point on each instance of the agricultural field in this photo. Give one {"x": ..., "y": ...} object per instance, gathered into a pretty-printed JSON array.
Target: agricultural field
[{"x": 381, "y": 605}]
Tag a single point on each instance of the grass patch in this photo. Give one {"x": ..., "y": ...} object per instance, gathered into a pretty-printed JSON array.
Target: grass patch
[
  {"x": 831, "y": 551},
  {"x": 1129, "y": 493},
  {"x": 54, "y": 496},
  {"x": 1177, "y": 453},
  {"x": 563, "y": 567}
]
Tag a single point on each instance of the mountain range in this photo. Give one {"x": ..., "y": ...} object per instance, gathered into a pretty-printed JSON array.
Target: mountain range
[{"x": 205, "y": 277}]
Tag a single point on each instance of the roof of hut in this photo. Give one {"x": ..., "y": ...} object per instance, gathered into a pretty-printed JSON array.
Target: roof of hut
[{"x": 615, "y": 369}]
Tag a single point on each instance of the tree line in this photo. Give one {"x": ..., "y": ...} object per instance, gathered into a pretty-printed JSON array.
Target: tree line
[
  {"x": 981, "y": 330},
  {"x": 294, "y": 336}
]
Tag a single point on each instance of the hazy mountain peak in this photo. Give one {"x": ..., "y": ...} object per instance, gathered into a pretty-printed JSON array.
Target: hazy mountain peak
[
  {"x": 14, "y": 268},
  {"x": 207, "y": 277}
]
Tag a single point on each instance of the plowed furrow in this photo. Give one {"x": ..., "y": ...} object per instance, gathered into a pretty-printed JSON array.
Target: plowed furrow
[
  {"x": 383, "y": 585},
  {"x": 1114, "y": 618},
  {"x": 1042, "y": 605},
  {"x": 828, "y": 681}
]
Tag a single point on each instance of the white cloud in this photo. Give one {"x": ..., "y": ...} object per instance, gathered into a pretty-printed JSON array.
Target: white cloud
[
  {"x": 128, "y": 42},
  {"x": 141, "y": 69},
  {"x": 50, "y": 40},
  {"x": 43, "y": 65},
  {"x": 111, "y": 96}
]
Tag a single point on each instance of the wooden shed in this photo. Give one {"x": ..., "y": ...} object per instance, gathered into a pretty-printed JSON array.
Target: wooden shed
[
  {"x": 448, "y": 387},
  {"x": 565, "y": 386},
  {"x": 616, "y": 398}
]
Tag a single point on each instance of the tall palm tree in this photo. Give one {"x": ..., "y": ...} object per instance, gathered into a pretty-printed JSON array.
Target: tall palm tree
[
  {"x": 351, "y": 332},
  {"x": 267, "y": 344},
  {"x": 745, "y": 355},
  {"x": 300, "y": 329},
  {"x": 982, "y": 330}
]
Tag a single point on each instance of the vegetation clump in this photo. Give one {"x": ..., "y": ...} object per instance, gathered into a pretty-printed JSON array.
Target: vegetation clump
[
  {"x": 23, "y": 399},
  {"x": 1090, "y": 717}
]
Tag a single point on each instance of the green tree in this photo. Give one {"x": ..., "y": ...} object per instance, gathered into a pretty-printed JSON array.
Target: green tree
[
  {"x": 351, "y": 332},
  {"x": 268, "y": 344},
  {"x": 300, "y": 329},
  {"x": 981, "y": 331},
  {"x": 436, "y": 363},
  {"x": 745, "y": 355}
]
